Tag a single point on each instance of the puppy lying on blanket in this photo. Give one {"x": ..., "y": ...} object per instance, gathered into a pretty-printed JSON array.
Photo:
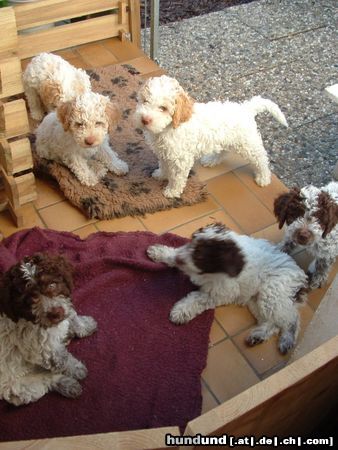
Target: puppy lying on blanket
[
  {"x": 76, "y": 135},
  {"x": 311, "y": 217},
  {"x": 235, "y": 269},
  {"x": 180, "y": 131},
  {"x": 37, "y": 319}
]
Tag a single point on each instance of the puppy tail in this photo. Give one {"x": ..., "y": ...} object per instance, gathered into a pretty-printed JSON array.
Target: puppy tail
[{"x": 258, "y": 105}]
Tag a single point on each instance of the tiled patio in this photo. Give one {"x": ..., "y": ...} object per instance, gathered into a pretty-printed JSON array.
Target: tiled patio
[{"x": 233, "y": 199}]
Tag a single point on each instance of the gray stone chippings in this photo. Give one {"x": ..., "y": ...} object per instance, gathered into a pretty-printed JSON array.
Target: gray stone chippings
[{"x": 285, "y": 50}]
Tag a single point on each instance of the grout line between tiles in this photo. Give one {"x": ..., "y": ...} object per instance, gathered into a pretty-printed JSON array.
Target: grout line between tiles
[
  {"x": 192, "y": 220},
  {"x": 246, "y": 359},
  {"x": 210, "y": 391}
]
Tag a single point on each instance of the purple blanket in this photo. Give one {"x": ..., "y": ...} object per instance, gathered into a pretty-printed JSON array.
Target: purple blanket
[{"x": 143, "y": 371}]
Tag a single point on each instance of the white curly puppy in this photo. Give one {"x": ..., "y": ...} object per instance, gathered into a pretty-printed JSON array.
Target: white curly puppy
[
  {"x": 235, "y": 269},
  {"x": 37, "y": 319},
  {"x": 49, "y": 80},
  {"x": 180, "y": 131},
  {"x": 76, "y": 135},
  {"x": 311, "y": 217}
]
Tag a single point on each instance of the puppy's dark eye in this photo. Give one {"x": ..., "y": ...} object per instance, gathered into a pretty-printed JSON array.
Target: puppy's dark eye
[
  {"x": 79, "y": 124},
  {"x": 163, "y": 108},
  {"x": 52, "y": 285},
  {"x": 99, "y": 124}
]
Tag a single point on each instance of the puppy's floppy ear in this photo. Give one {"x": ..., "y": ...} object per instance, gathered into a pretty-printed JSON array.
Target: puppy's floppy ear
[
  {"x": 288, "y": 207},
  {"x": 113, "y": 115},
  {"x": 183, "y": 109},
  {"x": 217, "y": 256},
  {"x": 50, "y": 94},
  {"x": 327, "y": 213},
  {"x": 64, "y": 111}
]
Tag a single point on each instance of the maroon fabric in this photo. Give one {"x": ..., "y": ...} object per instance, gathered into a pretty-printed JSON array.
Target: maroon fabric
[{"x": 143, "y": 371}]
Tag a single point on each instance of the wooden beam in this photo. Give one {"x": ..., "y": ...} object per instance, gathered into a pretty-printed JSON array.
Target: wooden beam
[
  {"x": 289, "y": 402},
  {"x": 70, "y": 35},
  {"x": 8, "y": 33},
  {"x": 10, "y": 77},
  {"x": 135, "y": 22}
]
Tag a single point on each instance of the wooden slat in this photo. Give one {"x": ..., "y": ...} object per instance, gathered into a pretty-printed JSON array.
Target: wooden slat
[
  {"x": 47, "y": 11},
  {"x": 10, "y": 77},
  {"x": 128, "y": 440},
  {"x": 13, "y": 119},
  {"x": 26, "y": 188},
  {"x": 16, "y": 156},
  {"x": 135, "y": 22},
  {"x": 8, "y": 33},
  {"x": 11, "y": 188},
  {"x": 290, "y": 402},
  {"x": 69, "y": 35}
]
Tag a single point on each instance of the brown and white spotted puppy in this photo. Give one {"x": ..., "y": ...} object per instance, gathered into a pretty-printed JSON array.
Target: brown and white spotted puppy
[
  {"x": 37, "y": 319},
  {"x": 311, "y": 218},
  {"x": 234, "y": 269}
]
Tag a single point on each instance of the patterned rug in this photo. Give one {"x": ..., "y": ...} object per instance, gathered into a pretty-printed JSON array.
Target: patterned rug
[{"x": 136, "y": 193}]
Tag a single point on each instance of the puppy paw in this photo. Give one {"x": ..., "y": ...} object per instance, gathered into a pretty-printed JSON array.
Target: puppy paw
[
  {"x": 76, "y": 370},
  {"x": 158, "y": 252},
  {"x": 285, "y": 344},
  {"x": 180, "y": 314},
  {"x": 171, "y": 193},
  {"x": 98, "y": 168},
  {"x": 85, "y": 326},
  {"x": 158, "y": 175},
  {"x": 209, "y": 160},
  {"x": 88, "y": 179},
  {"x": 263, "y": 180},
  {"x": 253, "y": 339},
  {"x": 120, "y": 167},
  {"x": 68, "y": 387},
  {"x": 37, "y": 115}
]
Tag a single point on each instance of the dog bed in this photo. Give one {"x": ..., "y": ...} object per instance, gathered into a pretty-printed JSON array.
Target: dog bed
[
  {"x": 143, "y": 371},
  {"x": 136, "y": 193}
]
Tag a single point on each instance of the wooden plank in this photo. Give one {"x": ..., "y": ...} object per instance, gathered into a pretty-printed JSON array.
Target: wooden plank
[
  {"x": 17, "y": 215},
  {"x": 10, "y": 77},
  {"x": 135, "y": 22},
  {"x": 15, "y": 156},
  {"x": 69, "y": 35},
  {"x": 48, "y": 11},
  {"x": 11, "y": 188},
  {"x": 8, "y": 33},
  {"x": 13, "y": 119},
  {"x": 323, "y": 326},
  {"x": 127, "y": 440},
  {"x": 287, "y": 403},
  {"x": 26, "y": 188}
]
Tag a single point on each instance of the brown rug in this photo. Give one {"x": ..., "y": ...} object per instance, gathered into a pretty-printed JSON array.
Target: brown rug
[{"x": 136, "y": 193}]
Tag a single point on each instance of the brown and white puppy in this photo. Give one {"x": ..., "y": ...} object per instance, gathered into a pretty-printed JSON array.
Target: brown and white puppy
[
  {"x": 49, "y": 80},
  {"x": 235, "y": 269},
  {"x": 311, "y": 218},
  {"x": 181, "y": 131},
  {"x": 37, "y": 319},
  {"x": 76, "y": 135}
]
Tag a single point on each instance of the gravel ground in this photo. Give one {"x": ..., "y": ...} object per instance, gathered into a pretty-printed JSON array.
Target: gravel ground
[
  {"x": 175, "y": 10},
  {"x": 284, "y": 50}
]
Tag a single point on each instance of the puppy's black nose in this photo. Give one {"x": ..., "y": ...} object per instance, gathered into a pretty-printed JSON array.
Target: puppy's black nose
[{"x": 303, "y": 236}]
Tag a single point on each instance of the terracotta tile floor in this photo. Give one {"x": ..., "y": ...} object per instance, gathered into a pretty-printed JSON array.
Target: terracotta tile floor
[{"x": 234, "y": 199}]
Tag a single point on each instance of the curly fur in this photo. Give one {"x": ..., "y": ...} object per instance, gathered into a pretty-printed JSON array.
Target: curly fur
[
  {"x": 311, "y": 217},
  {"x": 235, "y": 269},
  {"x": 181, "y": 131},
  {"x": 37, "y": 319},
  {"x": 76, "y": 135},
  {"x": 49, "y": 80}
]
